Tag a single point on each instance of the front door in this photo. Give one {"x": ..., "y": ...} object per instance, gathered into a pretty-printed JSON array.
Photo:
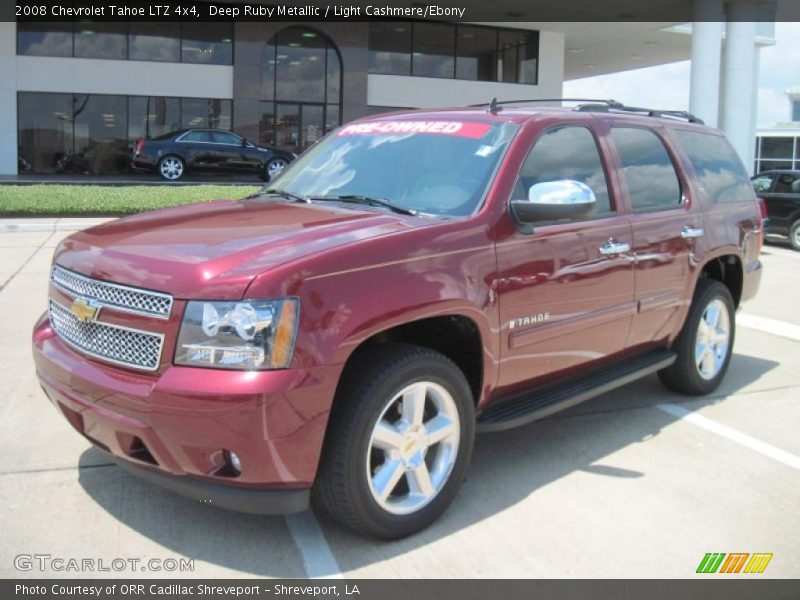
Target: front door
[{"x": 566, "y": 288}]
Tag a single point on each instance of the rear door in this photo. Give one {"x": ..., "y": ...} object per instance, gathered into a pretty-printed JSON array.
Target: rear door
[
  {"x": 198, "y": 148},
  {"x": 666, "y": 228},
  {"x": 565, "y": 288}
]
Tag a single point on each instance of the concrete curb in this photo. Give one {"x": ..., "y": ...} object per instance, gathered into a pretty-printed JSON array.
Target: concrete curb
[{"x": 45, "y": 225}]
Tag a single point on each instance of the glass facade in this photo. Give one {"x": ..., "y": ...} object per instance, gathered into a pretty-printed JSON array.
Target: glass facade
[
  {"x": 777, "y": 152},
  {"x": 447, "y": 50},
  {"x": 301, "y": 77},
  {"x": 204, "y": 43},
  {"x": 93, "y": 133}
]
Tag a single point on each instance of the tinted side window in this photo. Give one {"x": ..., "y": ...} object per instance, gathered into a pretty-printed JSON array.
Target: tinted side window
[
  {"x": 787, "y": 184},
  {"x": 223, "y": 137},
  {"x": 648, "y": 170},
  {"x": 718, "y": 167},
  {"x": 197, "y": 136},
  {"x": 568, "y": 152},
  {"x": 762, "y": 183}
]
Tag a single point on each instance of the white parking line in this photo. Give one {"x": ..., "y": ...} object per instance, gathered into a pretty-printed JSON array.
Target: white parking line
[
  {"x": 732, "y": 434},
  {"x": 318, "y": 560},
  {"x": 780, "y": 328}
]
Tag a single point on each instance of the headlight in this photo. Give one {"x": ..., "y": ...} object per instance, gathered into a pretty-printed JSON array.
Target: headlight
[{"x": 246, "y": 334}]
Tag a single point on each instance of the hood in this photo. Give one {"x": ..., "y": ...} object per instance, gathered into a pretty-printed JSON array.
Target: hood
[{"x": 214, "y": 250}]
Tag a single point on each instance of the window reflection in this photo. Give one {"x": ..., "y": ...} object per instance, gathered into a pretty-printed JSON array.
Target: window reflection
[
  {"x": 212, "y": 113},
  {"x": 476, "y": 53},
  {"x": 208, "y": 43},
  {"x": 565, "y": 153},
  {"x": 94, "y": 133},
  {"x": 100, "y": 134},
  {"x": 390, "y": 47},
  {"x": 433, "y": 51},
  {"x": 647, "y": 168},
  {"x": 154, "y": 41},
  {"x": 719, "y": 168},
  {"x": 152, "y": 116},
  {"x": 44, "y": 39},
  {"x": 101, "y": 40},
  {"x": 470, "y": 52},
  {"x": 45, "y": 131},
  {"x": 301, "y": 78}
]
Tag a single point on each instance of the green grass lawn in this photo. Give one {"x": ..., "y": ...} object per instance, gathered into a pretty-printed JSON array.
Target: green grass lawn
[{"x": 95, "y": 200}]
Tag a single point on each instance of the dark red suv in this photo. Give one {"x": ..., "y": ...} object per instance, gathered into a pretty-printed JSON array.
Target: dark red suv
[{"x": 414, "y": 277}]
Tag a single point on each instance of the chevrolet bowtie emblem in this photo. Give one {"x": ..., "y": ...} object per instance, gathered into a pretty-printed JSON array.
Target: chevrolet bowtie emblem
[{"x": 85, "y": 310}]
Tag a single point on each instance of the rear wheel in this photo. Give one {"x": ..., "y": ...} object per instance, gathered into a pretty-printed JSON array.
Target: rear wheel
[
  {"x": 794, "y": 235},
  {"x": 171, "y": 168},
  {"x": 705, "y": 344},
  {"x": 398, "y": 444}
]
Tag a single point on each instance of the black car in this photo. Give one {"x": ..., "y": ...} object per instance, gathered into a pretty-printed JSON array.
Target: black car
[
  {"x": 780, "y": 190},
  {"x": 173, "y": 154}
]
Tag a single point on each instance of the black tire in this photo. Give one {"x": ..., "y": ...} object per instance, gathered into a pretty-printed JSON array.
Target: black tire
[
  {"x": 794, "y": 235},
  {"x": 683, "y": 376},
  {"x": 272, "y": 163},
  {"x": 171, "y": 157},
  {"x": 341, "y": 490}
]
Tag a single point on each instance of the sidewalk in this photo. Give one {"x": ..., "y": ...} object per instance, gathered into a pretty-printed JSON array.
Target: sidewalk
[{"x": 24, "y": 224}]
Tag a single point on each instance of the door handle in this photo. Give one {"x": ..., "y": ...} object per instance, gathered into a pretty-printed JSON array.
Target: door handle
[
  {"x": 689, "y": 233},
  {"x": 612, "y": 247}
]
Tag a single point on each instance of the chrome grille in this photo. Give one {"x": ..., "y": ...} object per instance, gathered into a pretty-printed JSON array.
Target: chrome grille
[
  {"x": 120, "y": 297},
  {"x": 111, "y": 343}
]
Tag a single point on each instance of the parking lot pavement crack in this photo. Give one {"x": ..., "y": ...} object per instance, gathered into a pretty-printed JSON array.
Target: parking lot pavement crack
[
  {"x": 25, "y": 264},
  {"x": 56, "y": 469}
]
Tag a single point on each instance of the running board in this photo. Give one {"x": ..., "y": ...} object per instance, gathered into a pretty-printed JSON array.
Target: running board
[{"x": 541, "y": 402}]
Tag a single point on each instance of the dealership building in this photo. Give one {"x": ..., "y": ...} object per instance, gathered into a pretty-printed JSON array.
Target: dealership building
[{"x": 75, "y": 96}]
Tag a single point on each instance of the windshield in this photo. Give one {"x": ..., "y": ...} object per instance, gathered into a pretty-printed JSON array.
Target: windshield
[{"x": 434, "y": 167}]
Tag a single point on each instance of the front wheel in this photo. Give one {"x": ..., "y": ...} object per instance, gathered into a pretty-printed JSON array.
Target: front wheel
[
  {"x": 398, "y": 443},
  {"x": 705, "y": 344},
  {"x": 274, "y": 167}
]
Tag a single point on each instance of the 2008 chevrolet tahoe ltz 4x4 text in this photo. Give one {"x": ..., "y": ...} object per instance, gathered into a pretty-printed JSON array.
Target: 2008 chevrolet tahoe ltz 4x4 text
[{"x": 339, "y": 337}]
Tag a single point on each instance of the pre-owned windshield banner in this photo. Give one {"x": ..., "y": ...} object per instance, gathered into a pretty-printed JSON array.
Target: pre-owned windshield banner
[{"x": 468, "y": 129}]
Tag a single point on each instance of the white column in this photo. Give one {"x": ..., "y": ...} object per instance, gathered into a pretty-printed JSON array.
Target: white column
[
  {"x": 706, "y": 50},
  {"x": 8, "y": 98},
  {"x": 739, "y": 77},
  {"x": 754, "y": 111}
]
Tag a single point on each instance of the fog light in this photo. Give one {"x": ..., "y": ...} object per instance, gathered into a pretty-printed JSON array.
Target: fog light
[{"x": 233, "y": 460}]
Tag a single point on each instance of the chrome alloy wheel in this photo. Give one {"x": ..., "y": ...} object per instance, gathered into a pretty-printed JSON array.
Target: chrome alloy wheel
[
  {"x": 171, "y": 168},
  {"x": 713, "y": 338},
  {"x": 796, "y": 237},
  {"x": 275, "y": 166},
  {"x": 413, "y": 448}
]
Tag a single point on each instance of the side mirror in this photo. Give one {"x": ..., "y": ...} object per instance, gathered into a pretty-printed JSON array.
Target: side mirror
[{"x": 554, "y": 200}]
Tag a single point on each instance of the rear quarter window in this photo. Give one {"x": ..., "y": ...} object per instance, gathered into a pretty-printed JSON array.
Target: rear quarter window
[{"x": 718, "y": 167}]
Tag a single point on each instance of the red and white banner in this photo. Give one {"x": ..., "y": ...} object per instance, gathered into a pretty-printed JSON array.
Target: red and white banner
[{"x": 469, "y": 129}]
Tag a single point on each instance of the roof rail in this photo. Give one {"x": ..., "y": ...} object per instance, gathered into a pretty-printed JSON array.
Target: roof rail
[
  {"x": 594, "y": 105},
  {"x": 497, "y": 104},
  {"x": 650, "y": 112}
]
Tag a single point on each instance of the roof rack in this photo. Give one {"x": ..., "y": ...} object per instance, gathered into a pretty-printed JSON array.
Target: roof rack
[{"x": 594, "y": 105}]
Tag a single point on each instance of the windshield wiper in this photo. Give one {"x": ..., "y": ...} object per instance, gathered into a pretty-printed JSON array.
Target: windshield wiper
[
  {"x": 369, "y": 200},
  {"x": 283, "y": 194}
]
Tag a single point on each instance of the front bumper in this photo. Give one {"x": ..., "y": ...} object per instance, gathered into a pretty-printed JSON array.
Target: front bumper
[{"x": 175, "y": 427}]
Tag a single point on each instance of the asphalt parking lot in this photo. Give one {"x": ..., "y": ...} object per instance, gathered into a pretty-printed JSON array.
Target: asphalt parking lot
[{"x": 637, "y": 483}]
